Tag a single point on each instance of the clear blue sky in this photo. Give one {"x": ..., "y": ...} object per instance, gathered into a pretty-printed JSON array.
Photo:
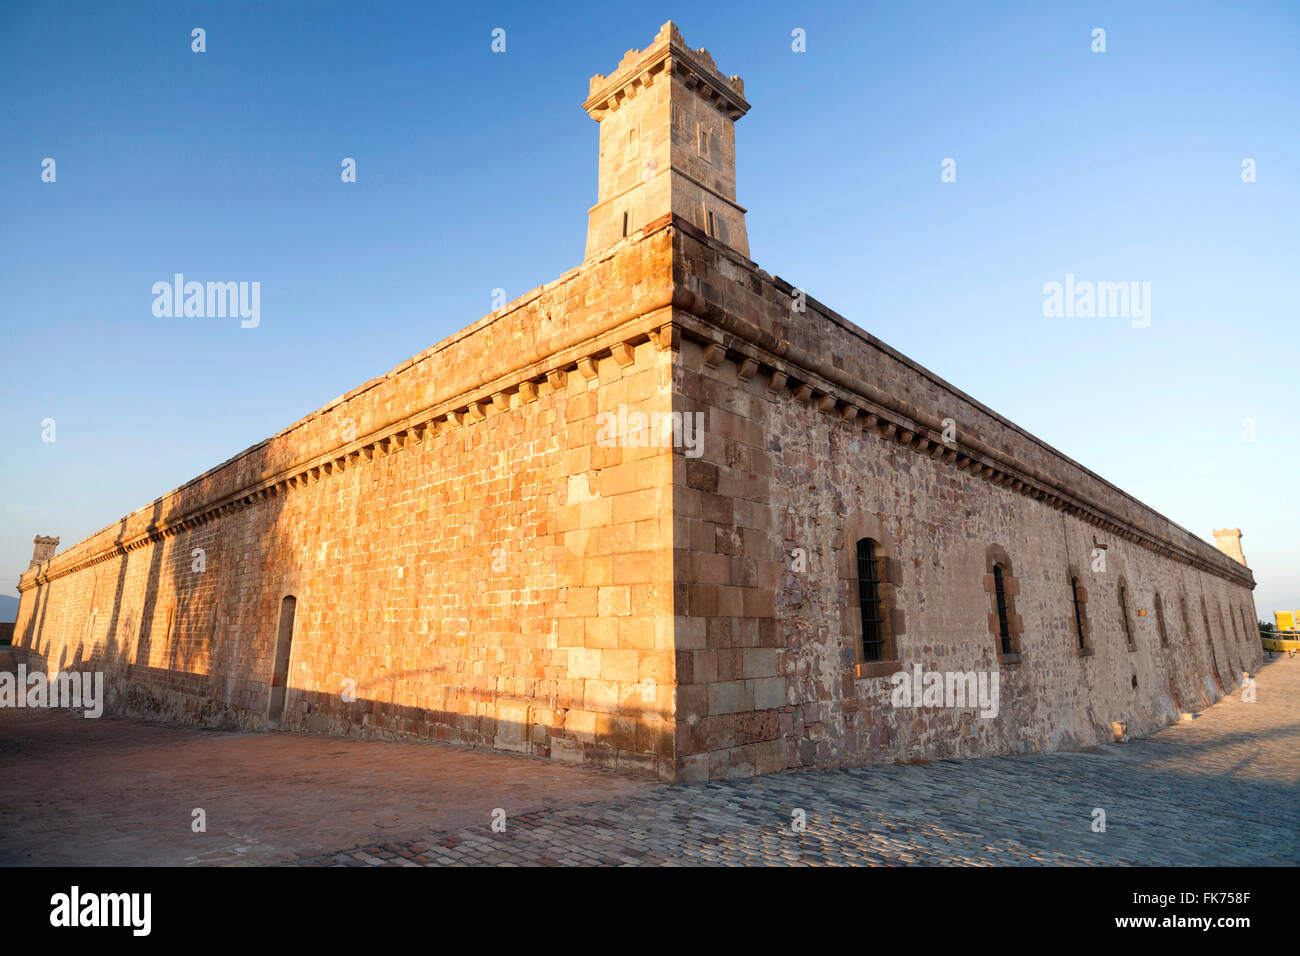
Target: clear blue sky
[{"x": 475, "y": 171}]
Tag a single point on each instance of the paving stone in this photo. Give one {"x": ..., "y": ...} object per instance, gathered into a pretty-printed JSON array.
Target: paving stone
[{"x": 1169, "y": 799}]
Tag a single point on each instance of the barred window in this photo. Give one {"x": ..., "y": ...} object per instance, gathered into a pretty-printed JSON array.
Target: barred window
[
  {"x": 1001, "y": 586},
  {"x": 870, "y": 605},
  {"x": 1004, "y": 624},
  {"x": 1123, "y": 612},
  {"x": 1078, "y": 613}
]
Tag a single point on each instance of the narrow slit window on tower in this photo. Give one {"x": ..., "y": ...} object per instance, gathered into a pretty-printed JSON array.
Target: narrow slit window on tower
[
  {"x": 870, "y": 606},
  {"x": 625, "y": 224},
  {"x": 704, "y": 144},
  {"x": 712, "y": 228},
  {"x": 1004, "y": 623}
]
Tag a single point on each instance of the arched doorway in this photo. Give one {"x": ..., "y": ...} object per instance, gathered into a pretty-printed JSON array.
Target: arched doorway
[{"x": 280, "y": 674}]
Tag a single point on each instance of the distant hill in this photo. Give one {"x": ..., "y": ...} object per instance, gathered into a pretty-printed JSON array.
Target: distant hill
[{"x": 8, "y": 608}]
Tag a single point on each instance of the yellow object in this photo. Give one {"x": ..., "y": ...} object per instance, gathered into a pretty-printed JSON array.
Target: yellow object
[
  {"x": 1279, "y": 644},
  {"x": 1285, "y": 620}
]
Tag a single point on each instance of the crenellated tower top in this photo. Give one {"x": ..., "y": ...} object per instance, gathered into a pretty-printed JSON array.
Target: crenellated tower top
[{"x": 667, "y": 143}]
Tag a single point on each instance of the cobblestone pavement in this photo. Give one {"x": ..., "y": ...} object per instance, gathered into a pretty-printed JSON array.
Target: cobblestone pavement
[{"x": 1222, "y": 789}]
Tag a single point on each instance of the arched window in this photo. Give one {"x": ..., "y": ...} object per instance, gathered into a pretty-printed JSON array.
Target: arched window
[
  {"x": 1000, "y": 584},
  {"x": 870, "y": 577},
  {"x": 871, "y": 607},
  {"x": 1000, "y": 598},
  {"x": 1079, "y": 601},
  {"x": 1160, "y": 621},
  {"x": 1123, "y": 613},
  {"x": 1079, "y": 629}
]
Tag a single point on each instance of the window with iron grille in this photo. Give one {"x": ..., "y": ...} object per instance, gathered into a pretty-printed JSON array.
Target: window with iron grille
[
  {"x": 1123, "y": 612},
  {"x": 870, "y": 605},
  {"x": 1004, "y": 623},
  {"x": 1078, "y": 613}
]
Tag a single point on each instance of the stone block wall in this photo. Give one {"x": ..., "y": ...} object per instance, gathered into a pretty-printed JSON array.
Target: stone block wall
[
  {"x": 476, "y": 559},
  {"x": 469, "y": 564},
  {"x": 818, "y": 435}
]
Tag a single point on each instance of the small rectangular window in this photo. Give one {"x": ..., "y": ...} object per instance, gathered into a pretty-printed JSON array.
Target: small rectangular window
[
  {"x": 704, "y": 144},
  {"x": 625, "y": 223},
  {"x": 712, "y": 228}
]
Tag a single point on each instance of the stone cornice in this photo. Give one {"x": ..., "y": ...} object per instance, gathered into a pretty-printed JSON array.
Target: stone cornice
[
  {"x": 523, "y": 373},
  {"x": 459, "y": 412},
  {"x": 668, "y": 54},
  {"x": 813, "y": 380},
  {"x": 671, "y": 171},
  {"x": 667, "y": 312}
]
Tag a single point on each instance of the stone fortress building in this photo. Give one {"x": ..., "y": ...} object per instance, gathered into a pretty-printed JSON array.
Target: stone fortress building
[{"x": 466, "y": 549}]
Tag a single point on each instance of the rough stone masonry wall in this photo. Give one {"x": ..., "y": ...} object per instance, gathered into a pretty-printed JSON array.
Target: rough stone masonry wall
[
  {"x": 797, "y": 466},
  {"x": 464, "y": 549},
  {"x": 466, "y": 560}
]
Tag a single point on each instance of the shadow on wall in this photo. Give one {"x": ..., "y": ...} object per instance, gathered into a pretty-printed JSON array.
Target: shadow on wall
[
  {"x": 200, "y": 641},
  {"x": 151, "y": 614},
  {"x": 638, "y": 740}
]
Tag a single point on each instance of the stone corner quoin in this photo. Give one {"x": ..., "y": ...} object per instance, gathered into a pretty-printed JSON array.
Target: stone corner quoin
[{"x": 518, "y": 539}]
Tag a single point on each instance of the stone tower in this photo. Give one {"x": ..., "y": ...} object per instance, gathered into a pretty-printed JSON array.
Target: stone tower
[
  {"x": 667, "y": 144},
  {"x": 43, "y": 550},
  {"x": 1228, "y": 540}
]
